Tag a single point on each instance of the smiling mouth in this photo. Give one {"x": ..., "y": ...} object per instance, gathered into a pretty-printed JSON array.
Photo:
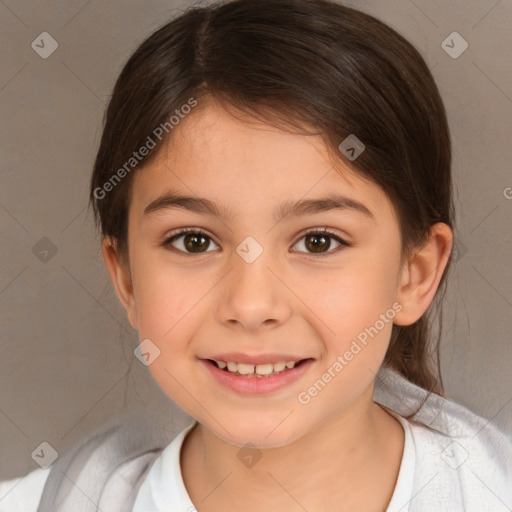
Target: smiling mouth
[{"x": 257, "y": 370}]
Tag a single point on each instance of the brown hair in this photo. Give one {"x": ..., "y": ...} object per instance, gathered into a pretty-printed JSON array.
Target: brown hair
[{"x": 300, "y": 63}]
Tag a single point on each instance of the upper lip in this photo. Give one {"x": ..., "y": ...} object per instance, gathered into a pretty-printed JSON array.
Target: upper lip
[{"x": 238, "y": 357}]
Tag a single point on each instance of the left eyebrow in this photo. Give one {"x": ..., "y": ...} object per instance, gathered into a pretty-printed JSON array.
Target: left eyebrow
[{"x": 172, "y": 200}]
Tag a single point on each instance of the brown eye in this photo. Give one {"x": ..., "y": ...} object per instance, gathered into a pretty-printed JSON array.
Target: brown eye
[
  {"x": 319, "y": 242},
  {"x": 195, "y": 243},
  {"x": 189, "y": 242}
]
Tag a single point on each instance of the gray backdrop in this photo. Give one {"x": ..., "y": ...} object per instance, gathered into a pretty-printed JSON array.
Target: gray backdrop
[{"x": 67, "y": 347}]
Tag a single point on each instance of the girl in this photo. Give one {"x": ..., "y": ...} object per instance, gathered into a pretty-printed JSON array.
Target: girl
[{"x": 274, "y": 195}]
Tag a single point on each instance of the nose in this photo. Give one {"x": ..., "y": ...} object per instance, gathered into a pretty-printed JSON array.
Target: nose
[{"x": 253, "y": 296}]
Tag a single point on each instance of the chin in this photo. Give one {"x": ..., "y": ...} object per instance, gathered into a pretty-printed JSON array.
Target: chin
[{"x": 263, "y": 433}]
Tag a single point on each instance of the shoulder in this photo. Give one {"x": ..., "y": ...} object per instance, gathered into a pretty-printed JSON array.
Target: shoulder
[
  {"x": 23, "y": 494},
  {"x": 461, "y": 459},
  {"x": 106, "y": 466},
  {"x": 461, "y": 437},
  {"x": 467, "y": 466}
]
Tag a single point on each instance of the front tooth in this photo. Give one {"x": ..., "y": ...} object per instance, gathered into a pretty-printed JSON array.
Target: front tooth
[
  {"x": 264, "y": 369},
  {"x": 245, "y": 369},
  {"x": 232, "y": 367},
  {"x": 221, "y": 364},
  {"x": 290, "y": 364},
  {"x": 279, "y": 367}
]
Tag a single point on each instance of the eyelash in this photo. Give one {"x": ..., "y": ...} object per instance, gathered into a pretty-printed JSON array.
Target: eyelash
[{"x": 198, "y": 231}]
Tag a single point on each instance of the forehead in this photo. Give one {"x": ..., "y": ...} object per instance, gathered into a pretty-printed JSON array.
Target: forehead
[{"x": 243, "y": 163}]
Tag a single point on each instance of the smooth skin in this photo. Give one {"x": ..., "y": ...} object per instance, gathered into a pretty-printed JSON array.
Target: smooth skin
[{"x": 341, "y": 451}]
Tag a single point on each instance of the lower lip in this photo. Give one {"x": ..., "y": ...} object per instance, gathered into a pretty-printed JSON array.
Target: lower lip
[{"x": 257, "y": 385}]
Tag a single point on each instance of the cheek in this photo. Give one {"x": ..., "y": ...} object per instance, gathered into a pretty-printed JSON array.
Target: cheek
[
  {"x": 355, "y": 318},
  {"x": 169, "y": 310},
  {"x": 352, "y": 298},
  {"x": 169, "y": 307},
  {"x": 354, "y": 306},
  {"x": 165, "y": 294}
]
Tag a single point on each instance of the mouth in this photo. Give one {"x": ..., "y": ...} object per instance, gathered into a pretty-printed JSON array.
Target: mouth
[
  {"x": 257, "y": 377},
  {"x": 260, "y": 371}
]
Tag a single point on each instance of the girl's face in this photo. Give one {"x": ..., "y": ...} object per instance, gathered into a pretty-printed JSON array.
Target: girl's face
[{"x": 254, "y": 287}]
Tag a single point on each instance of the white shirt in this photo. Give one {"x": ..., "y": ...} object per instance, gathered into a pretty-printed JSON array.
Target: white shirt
[
  {"x": 429, "y": 478},
  {"x": 156, "y": 495},
  {"x": 469, "y": 469}
]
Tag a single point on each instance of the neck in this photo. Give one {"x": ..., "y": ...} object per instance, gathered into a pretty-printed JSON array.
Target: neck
[{"x": 342, "y": 459}]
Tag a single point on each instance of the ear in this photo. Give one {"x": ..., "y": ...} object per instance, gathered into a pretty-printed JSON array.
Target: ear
[
  {"x": 421, "y": 274},
  {"x": 121, "y": 279}
]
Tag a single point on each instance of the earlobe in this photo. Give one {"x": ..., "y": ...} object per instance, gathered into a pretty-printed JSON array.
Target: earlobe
[
  {"x": 422, "y": 274},
  {"x": 121, "y": 279}
]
